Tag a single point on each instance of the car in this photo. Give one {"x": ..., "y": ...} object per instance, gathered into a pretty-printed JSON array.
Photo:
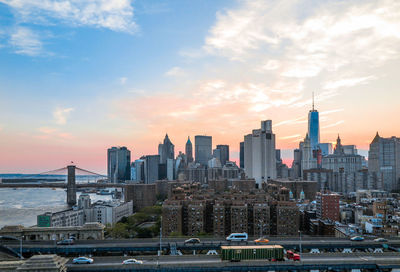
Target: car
[
  {"x": 237, "y": 237},
  {"x": 66, "y": 242},
  {"x": 192, "y": 241},
  {"x": 261, "y": 240},
  {"x": 132, "y": 261},
  {"x": 380, "y": 240},
  {"x": 357, "y": 238},
  {"x": 82, "y": 260}
]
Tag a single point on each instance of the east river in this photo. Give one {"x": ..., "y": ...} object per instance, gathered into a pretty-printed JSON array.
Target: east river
[{"x": 21, "y": 206}]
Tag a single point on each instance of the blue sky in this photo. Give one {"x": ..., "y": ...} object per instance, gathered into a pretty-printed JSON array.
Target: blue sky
[{"x": 77, "y": 77}]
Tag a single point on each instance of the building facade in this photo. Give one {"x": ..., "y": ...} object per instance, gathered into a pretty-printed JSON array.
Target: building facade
[
  {"x": 118, "y": 164},
  {"x": 203, "y": 149},
  {"x": 259, "y": 153},
  {"x": 384, "y": 160}
]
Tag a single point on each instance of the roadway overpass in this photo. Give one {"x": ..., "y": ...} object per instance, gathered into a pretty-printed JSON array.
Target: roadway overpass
[{"x": 138, "y": 246}]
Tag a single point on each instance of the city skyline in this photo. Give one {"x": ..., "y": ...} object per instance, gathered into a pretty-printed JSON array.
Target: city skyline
[{"x": 76, "y": 83}]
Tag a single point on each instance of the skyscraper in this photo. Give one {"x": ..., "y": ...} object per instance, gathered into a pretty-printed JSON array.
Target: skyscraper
[
  {"x": 166, "y": 150},
  {"x": 241, "y": 155},
  {"x": 203, "y": 149},
  {"x": 313, "y": 127},
  {"x": 224, "y": 153},
  {"x": 189, "y": 150},
  {"x": 151, "y": 168},
  {"x": 259, "y": 153},
  {"x": 118, "y": 164},
  {"x": 307, "y": 159},
  {"x": 384, "y": 160}
]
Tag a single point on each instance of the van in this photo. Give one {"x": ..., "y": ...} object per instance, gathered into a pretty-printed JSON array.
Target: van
[{"x": 237, "y": 237}]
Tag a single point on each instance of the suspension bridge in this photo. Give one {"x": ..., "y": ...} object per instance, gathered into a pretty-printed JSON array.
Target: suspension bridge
[{"x": 71, "y": 171}]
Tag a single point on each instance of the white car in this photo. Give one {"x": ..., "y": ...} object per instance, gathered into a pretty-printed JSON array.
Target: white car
[
  {"x": 82, "y": 260},
  {"x": 237, "y": 237},
  {"x": 132, "y": 261}
]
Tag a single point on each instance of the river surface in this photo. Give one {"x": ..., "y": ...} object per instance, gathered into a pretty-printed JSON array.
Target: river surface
[{"x": 21, "y": 206}]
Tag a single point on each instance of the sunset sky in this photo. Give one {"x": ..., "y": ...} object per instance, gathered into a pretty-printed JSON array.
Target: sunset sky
[{"x": 80, "y": 76}]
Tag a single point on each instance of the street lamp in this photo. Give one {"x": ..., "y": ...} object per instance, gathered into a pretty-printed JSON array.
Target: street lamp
[
  {"x": 20, "y": 247},
  {"x": 159, "y": 253},
  {"x": 300, "y": 243}
]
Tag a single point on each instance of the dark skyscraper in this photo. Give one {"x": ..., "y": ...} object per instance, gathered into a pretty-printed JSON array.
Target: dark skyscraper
[
  {"x": 189, "y": 150},
  {"x": 203, "y": 149},
  {"x": 166, "y": 150},
  {"x": 313, "y": 127},
  {"x": 118, "y": 164},
  {"x": 224, "y": 153},
  {"x": 241, "y": 155}
]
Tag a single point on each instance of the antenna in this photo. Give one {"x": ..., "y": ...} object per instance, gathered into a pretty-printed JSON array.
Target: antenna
[{"x": 313, "y": 101}]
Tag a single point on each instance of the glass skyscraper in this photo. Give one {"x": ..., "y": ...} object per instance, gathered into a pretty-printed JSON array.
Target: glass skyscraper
[{"x": 313, "y": 128}]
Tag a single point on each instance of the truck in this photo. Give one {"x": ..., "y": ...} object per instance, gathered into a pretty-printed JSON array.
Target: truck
[
  {"x": 257, "y": 252},
  {"x": 292, "y": 256}
]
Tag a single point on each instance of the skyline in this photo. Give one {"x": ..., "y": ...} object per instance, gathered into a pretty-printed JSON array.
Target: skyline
[{"x": 76, "y": 79}]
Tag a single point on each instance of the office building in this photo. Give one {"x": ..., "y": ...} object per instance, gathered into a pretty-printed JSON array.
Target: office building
[
  {"x": 224, "y": 153},
  {"x": 118, "y": 164},
  {"x": 189, "y": 151},
  {"x": 307, "y": 160},
  {"x": 217, "y": 154},
  {"x": 137, "y": 170},
  {"x": 241, "y": 155},
  {"x": 326, "y": 148},
  {"x": 142, "y": 195},
  {"x": 313, "y": 127},
  {"x": 151, "y": 168},
  {"x": 259, "y": 153},
  {"x": 342, "y": 161},
  {"x": 384, "y": 160},
  {"x": 328, "y": 206},
  {"x": 203, "y": 149},
  {"x": 166, "y": 150}
]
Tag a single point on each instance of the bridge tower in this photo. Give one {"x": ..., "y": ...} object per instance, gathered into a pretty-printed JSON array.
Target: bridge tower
[{"x": 71, "y": 185}]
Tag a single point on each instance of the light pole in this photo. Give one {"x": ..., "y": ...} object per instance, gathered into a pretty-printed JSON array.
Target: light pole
[
  {"x": 159, "y": 253},
  {"x": 300, "y": 243},
  {"x": 20, "y": 247}
]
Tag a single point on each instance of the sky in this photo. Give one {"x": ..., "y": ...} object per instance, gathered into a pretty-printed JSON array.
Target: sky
[{"x": 80, "y": 76}]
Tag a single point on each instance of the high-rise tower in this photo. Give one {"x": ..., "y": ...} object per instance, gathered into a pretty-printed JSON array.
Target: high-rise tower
[
  {"x": 166, "y": 150},
  {"x": 260, "y": 154},
  {"x": 203, "y": 148},
  {"x": 313, "y": 126},
  {"x": 189, "y": 150}
]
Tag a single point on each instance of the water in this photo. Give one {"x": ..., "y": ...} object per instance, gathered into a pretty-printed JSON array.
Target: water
[{"x": 21, "y": 206}]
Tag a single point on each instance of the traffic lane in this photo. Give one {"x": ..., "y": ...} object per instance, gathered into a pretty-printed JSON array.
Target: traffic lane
[
  {"x": 150, "y": 260},
  {"x": 208, "y": 260}
]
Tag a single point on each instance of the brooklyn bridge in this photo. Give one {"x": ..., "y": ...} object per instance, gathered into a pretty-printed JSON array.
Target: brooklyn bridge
[{"x": 71, "y": 185}]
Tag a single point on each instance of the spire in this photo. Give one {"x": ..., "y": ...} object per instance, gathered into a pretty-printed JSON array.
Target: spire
[
  {"x": 313, "y": 101},
  {"x": 377, "y": 137},
  {"x": 188, "y": 141}
]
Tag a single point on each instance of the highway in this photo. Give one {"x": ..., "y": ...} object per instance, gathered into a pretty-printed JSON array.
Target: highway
[
  {"x": 188, "y": 262},
  {"x": 101, "y": 247}
]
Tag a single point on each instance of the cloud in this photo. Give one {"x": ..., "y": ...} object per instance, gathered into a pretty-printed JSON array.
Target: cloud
[
  {"x": 334, "y": 124},
  {"x": 290, "y": 137},
  {"x": 116, "y": 15},
  {"x": 61, "y": 114},
  {"x": 54, "y": 133},
  {"x": 326, "y": 37},
  {"x": 26, "y": 42},
  {"x": 175, "y": 72},
  {"x": 348, "y": 82}
]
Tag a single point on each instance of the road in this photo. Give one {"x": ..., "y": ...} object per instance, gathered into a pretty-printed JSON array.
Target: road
[
  {"x": 205, "y": 242},
  {"x": 204, "y": 260}
]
